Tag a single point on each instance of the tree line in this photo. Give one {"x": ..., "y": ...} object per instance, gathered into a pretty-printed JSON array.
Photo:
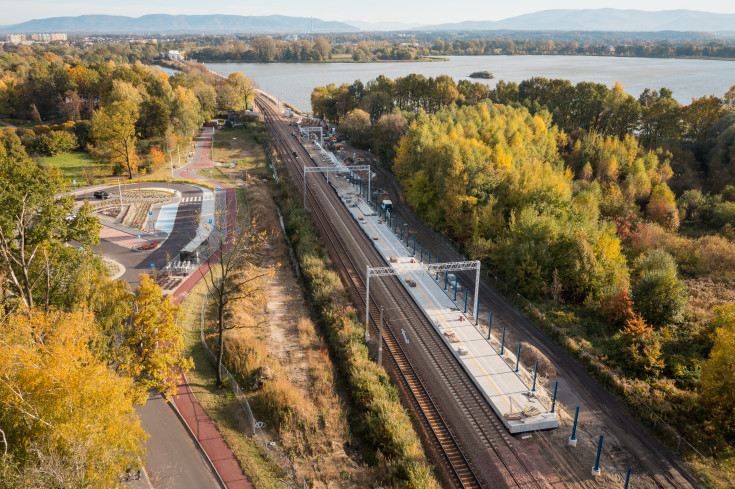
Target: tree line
[
  {"x": 611, "y": 213},
  {"x": 127, "y": 115},
  {"x": 369, "y": 48}
]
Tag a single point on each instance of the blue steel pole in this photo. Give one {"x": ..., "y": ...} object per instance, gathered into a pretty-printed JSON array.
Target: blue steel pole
[
  {"x": 437, "y": 270},
  {"x": 627, "y": 479},
  {"x": 465, "y": 300},
  {"x": 407, "y": 233},
  {"x": 456, "y": 282},
  {"x": 535, "y": 372},
  {"x": 421, "y": 247},
  {"x": 502, "y": 342},
  {"x": 401, "y": 229},
  {"x": 414, "y": 245},
  {"x": 446, "y": 277},
  {"x": 597, "y": 460},
  {"x": 489, "y": 325},
  {"x": 574, "y": 426},
  {"x": 553, "y": 401},
  {"x": 518, "y": 357},
  {"x": 429, "y": 260}
]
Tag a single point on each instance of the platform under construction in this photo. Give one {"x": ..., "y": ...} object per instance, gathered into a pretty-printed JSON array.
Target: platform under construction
[{"x": 513, "y": 401}]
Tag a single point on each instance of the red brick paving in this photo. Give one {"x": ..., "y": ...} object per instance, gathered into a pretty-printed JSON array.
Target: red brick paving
[{"x": 204, "y": 429}]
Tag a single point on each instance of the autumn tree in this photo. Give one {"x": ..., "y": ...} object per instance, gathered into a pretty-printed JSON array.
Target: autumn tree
[
  {"x": 230, "y": 249},
  {"x": 662, "y": 209},
  {"x": 389, "y": 129},
  {"x": 699, "y": 116},
  {"x": 643, "y": 348},
  {"x": 67, "y": 419},
  {"x": 153, "y": 350},
  {"x": 357, "y": 127},
  {"x": 114, "y": 134},
  {"x": 718, "y": 372}
]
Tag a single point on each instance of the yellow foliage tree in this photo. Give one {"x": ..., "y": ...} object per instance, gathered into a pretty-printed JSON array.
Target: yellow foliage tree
[
  {"x": 718, "y": 372},
  {"x": 154, "y": 344},
  {"x": 113, "y": 130},
  {"x": 67, "y": 419}
]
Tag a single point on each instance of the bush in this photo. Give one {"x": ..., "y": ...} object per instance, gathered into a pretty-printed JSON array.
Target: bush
[
  {"x": 382, "y": 420},
  {"x": 717, "y": 254},
  {"x": 54, "y": 142},
  {"x": 659, "y": 296},
  {"x": 723, "y": 213}
]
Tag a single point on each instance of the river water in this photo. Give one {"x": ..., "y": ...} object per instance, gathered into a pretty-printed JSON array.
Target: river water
[{"x": 688, "y": 78}]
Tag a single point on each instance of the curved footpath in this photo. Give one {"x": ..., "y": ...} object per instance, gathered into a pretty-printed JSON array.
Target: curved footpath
[{"x": 201, "y": 426}]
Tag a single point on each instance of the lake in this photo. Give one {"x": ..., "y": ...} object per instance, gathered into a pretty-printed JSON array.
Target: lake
[{"x": 688, "y": 78}]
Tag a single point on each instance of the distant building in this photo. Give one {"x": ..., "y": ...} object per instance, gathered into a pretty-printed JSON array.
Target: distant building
[
  {"x": 16, "y": 38},
  {"x": 175, "y": 56},
  {"x": 44, "y": 37}
]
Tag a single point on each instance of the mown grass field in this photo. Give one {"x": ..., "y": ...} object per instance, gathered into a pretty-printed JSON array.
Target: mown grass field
[{"x": 72, "y": 166}]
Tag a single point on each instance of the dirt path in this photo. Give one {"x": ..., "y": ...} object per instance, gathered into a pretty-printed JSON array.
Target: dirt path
[{"x": 285, "y": 306}]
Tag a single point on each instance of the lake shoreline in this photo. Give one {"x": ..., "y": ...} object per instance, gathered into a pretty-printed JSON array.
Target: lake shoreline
[{"x": 687, "y": 77}]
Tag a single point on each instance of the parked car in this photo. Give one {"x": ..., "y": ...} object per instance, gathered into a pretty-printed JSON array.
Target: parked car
[{"x": 101, "y": 194}]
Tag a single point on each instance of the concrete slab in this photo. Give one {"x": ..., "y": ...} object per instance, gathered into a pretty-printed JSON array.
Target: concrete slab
[{"x": 511, "y": 399}]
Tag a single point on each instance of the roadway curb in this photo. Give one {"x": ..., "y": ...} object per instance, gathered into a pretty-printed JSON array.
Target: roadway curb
[{"x": 175, "y": 408}]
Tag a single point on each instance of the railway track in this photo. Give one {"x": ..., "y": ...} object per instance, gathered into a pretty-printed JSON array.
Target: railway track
[{"x": 509, "y": 465}]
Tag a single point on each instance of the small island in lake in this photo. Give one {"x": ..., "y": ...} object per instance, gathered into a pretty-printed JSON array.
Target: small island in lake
[{"x": 482, "y": 74}]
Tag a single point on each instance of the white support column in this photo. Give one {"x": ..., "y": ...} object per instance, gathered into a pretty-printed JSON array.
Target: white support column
[{"x": 370, "y": 177}]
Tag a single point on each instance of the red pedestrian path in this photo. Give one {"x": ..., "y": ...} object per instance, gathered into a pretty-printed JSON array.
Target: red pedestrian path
[{"x": 200, "y": 424}]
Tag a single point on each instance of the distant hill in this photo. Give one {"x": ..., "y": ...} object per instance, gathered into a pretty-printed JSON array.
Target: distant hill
[
  {"x": 185, "y": 24},
  {"x": 605, "y": 19},
  {"x": 384, "y": 26}
]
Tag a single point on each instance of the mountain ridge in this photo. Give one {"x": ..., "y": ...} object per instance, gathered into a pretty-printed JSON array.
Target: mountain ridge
[
  {"x": 189, "y": 24},
  {"x": 599, "y": 20},
  {"x": 603, "y": 19}
]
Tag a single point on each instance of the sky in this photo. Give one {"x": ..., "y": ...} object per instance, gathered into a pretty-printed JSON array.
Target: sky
[{"x": 412, "y": 11}]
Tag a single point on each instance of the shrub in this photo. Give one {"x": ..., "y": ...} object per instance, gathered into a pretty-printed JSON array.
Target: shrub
[
  {"x": 55, "y": 142},
  {"x": 659, "y": 296},
  {"x": 717, "y": 254}
]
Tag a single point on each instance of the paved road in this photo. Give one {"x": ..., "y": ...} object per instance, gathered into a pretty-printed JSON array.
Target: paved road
[
  {"x": 183, "y": 232},
  {"x": 174, "y": 460}
]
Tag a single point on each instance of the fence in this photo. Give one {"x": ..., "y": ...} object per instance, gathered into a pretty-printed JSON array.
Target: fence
[{"x": 291, "y": 478}]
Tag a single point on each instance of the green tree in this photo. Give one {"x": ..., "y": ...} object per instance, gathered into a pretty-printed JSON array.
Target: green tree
[
  {"x": 34, "y": 230},
  {"x": 113, "y": 131},
  {"x": 658, "y": 293},
  {"x": 660, "y": 116}
]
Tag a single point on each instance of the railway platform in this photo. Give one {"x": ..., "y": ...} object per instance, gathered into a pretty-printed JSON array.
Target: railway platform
[{"x": 514, "y": 402}]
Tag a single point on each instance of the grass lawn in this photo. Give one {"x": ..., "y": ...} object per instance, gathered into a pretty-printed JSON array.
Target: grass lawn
[
  {"x": 72, "y": 164},
  {"x": 242, "y": 145}
]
